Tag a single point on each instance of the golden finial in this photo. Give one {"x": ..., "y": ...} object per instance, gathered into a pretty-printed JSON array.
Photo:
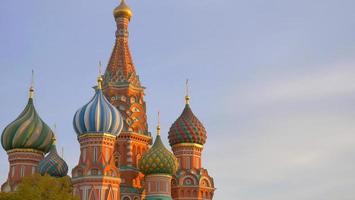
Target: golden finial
[
  {"x": 31, "y": 93},
  {"x": 187, "y": 97},
  {"x": 122, "y": 10},
  {"x": 158, "y": 127},
  {"x": 99, "y": 78}
]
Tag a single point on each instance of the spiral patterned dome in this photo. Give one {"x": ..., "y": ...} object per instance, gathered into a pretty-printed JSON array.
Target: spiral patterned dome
[
  {"x": 28, "y": 131},
  {"x": 53, "y": 164},
  {"x": 98, "y": 116},
  {"x": 158, "y": 160},
  {"x": 187, "y": 128}
]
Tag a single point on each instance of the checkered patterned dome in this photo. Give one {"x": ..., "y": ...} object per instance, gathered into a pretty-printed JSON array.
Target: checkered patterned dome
[{"x": 187, "y": 129}]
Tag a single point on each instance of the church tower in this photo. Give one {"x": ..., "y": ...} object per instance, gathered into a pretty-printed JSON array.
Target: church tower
[
  {"x": 97, "y": 124},
  {"x": 158, "y": 165},
  {"x": 25, "y": 140},
  {"x": 123, "y": 89},
  {"x": 187, "y": 137}
]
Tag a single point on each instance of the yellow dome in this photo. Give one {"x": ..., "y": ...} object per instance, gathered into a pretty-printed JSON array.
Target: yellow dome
[{"x": 123, "y": 10}]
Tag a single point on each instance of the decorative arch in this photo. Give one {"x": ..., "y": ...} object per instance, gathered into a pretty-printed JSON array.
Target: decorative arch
[
  {"x": 126, "y": 198},
  {"x": 204, "y": 182},
  {"x": 188, "y": 180}
]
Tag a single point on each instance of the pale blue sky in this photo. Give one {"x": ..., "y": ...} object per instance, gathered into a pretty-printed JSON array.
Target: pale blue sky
[{"x": 273, "y": 82}]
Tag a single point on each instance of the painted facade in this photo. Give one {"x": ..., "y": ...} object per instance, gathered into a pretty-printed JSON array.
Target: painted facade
[
  {"x": 124, "y": 90},
  {"x": 25, "y": 140},
  {"x": 187, "y": 137},
  {"x": 117, "y": 158}
]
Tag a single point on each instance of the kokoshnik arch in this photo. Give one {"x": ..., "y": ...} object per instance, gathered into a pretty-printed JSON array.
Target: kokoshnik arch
[{"x": 116, "y": 159}]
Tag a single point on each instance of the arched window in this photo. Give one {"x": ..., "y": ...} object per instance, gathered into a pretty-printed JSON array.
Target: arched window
[{"x": 205, "y": 183}]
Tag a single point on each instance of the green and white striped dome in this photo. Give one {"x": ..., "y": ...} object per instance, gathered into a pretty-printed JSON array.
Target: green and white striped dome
[{"x": 28, "y": 131}]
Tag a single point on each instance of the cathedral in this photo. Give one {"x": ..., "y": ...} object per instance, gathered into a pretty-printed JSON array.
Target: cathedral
[{"x": 119, "y": 158}]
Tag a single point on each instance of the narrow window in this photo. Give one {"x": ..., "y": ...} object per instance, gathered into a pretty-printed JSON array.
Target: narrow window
[
  {"x": 188, "y": 163},
  {"x": 22, "y": 171},
  {"x": 12, "y": 171},
  {"x": 84, "y": 154},
  {"x": 107, "y": 155},
  {"x": 95, "y": 154}
]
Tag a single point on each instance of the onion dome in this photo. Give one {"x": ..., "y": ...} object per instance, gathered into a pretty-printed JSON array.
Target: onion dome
[
  {"x": 187, "y": 128},
  {"x": 28, "y": 131},
  {"x": 158, "y": 159},
  {"x": 53, "y": 164},
  {"x": 123, "y": 10},
  {"x": 98, "y": 116}
]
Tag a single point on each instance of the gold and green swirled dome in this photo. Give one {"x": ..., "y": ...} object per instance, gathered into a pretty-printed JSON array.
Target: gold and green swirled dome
[
  {"x": 28, "y": 131},
  {"x": 158, "y": 160}
]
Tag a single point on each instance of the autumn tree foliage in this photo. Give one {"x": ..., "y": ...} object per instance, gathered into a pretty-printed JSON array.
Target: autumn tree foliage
[{"x": 39, "y": 187}]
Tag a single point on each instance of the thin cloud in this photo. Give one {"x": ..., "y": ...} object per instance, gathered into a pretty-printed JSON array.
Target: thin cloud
[{"x": 323, "y": 83}]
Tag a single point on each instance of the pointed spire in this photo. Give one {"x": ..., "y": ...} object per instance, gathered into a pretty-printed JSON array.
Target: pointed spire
[
  {"x": 99, "y": 78},
  {"x": 31, "y": 91},
  {"x": 120, "y": 69},
  {"x": 187, "y": 97},
  {"x": 158, "y": 127}
]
